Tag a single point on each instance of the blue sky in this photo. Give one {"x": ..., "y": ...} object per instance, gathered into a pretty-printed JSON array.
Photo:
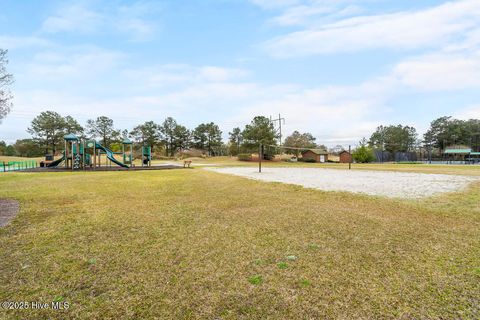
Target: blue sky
[{"x": 337, "y": 69}]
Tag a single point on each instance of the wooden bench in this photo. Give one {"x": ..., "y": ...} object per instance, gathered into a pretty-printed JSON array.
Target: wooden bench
[{"x": 187, "y": 163}]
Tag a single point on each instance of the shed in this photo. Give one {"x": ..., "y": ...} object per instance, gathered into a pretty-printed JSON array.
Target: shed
[
  {"x": 345, "y": 157},
  {"x": 316, "y": 154}
]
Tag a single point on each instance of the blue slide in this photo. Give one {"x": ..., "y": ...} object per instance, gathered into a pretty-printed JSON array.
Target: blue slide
[{"x": 110, "y": 155}]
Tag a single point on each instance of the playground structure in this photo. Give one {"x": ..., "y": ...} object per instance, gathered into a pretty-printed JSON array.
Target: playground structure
[
  {"x": 82, "y": 154},
  {"x": 146, "y": 156},
  {"x": 86, "y": 154},
  {"x": 127, "y": 157}
]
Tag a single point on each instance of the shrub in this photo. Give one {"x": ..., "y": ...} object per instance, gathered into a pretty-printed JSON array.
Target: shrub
[
  {"x": 244, "y": 157},
  {"x": 309, "y": 160},
  {"x": 363, "y": 154}
]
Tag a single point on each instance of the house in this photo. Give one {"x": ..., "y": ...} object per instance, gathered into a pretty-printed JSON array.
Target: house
[
  {"x": 345, "y": 157},
  {"x": 315, "y": 154}
]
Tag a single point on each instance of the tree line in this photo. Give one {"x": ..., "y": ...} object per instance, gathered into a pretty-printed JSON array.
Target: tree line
[
  {"x": 169, "y": 137},
  {"x": 443, "y": 133},
  {"x": 166, "y": 138},
  {"x": 49, "y": 127}
]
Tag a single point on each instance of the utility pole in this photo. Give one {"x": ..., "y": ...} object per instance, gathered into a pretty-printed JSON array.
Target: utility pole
[{"x": 280, "y": 120}]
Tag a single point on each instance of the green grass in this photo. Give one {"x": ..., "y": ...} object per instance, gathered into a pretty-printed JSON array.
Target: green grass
[
  {"x": 9, "y": 158},
  {"x": 255, "y": 280},
  {"x": 189, "y": 244}
]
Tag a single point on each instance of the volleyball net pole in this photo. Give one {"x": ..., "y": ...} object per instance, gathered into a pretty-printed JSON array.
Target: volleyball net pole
[{"x": 260, "y": 156}]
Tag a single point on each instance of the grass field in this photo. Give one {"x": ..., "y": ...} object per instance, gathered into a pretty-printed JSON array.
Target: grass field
[
  {"x": 188, "y": 244},
  {"x": 8, "y": 158}
]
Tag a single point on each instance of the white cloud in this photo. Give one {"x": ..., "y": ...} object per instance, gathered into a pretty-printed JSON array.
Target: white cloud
[
  {"x": 435, "y": 72},
  {"x": 79, "y": 62},
  {"x": 13, "y": 42},
  {"x": 78, "y": 18},
  {"x": 434, "y": 26},
  {"x": 334, "y": 114},
  {"x": 216, "y": 74},
  {"x": 471, "y": 112},
  {"x": 298, "y": 14},
  {"x": 316, "y": 13},
  {"x": 73, "y": 18},
  {"x": 274, "y": 4},
  {"x": 183, "y": 74},
  {"x": 132, "y": 19}
]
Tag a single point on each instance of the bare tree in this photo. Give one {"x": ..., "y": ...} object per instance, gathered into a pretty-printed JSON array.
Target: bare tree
[
  {"x": 6, "y": 79},
  {"x": 102, "y": 127}
]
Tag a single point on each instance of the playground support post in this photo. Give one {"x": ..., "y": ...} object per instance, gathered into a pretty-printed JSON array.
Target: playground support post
[
  {"x": 83, "y": 153},
  {"x": 66, "y": 155},
  {"x": 94, "y": 157},
  {"x": 71, "y": 154}
]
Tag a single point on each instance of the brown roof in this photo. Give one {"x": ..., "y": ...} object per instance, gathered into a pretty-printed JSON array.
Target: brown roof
[
  {"x": 316, "y": 151},
  {"x": 343, "y": 151}
]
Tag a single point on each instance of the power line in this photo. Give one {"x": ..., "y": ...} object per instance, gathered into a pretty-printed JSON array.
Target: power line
[{"x": 280, "y": 120}]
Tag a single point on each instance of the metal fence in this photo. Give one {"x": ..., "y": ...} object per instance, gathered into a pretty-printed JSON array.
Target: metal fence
[
  {"x": 17, "y": 165},
  {"x": 422, "y": 156}
]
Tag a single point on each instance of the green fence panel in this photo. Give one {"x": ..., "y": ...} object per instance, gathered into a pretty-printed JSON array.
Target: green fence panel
[{"x": 17, "y": 165}]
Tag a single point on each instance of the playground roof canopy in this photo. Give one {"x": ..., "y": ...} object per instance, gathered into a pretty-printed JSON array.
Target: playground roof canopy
[
  {"x": 70, "y": 137},
  {"x": 458, "y": 151},
  {"x": 127, "y": 141}
]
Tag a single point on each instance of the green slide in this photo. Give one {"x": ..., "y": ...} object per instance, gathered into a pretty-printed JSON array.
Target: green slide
[
  {"x": 56, "y": 162},
  {"x": 109, "y": 154}
]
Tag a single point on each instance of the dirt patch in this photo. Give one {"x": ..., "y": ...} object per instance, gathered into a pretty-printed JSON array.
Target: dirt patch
[
  {"x": 8, "y": 211},
  {"x": 378, "y": 183}
]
